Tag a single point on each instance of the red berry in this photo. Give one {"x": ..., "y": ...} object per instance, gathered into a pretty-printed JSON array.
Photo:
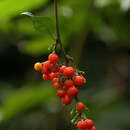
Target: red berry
[
  {"x": 69, "y": 72},
  {"x": 79, "y": 80},
  {"x": 68, "y": 83},
  {"x": 81, "y": 124},
  {"x": 53, "y": 58},
  {"x": 66, "y": 100},
  {"x": 89, "y": 124},
  {"x": 46, "y": 67},
  {"x": 80, "y": 106},
  {"x": 54, "y": 75},
  {"x": 62, "y": 68},
  {"x": 47, "y": 64},
  {"x": 38, "y": 66},
  {"x": 93, "y": 128},
  {"x": 54, "y": 68},
  {"x": 45, "y": 70},
  {"x": 56, "y": 85},
  {"x": 57, "y": 74},
  {"x": 72, "y": 91},
  {"x": 55, "y": 80},
  {"x": 61, "y": 93},
  {"x": 46, "y": 77}
]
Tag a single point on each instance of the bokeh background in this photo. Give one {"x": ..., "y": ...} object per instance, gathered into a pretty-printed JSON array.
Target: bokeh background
[{"x": 96, "y": 33}]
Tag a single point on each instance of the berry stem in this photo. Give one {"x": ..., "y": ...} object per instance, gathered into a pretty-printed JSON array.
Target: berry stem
[{"x": 58, "y": 39}]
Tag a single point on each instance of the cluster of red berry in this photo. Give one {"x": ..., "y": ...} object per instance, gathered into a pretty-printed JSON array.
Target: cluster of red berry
[
  {"x": 86, "y": 125},
  {"x": 65, "y": 79}
]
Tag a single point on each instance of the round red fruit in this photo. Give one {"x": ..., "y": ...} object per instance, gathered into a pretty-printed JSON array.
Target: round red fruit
[
  {"x": 69, "y": 72},
  {"x": 46, "y": 77},
  {"x": 55, "y": 80},
  {"x": 47, "y": 64},
  {"x": 93, "y": 128},
  {"x": 80, "y": 106},
  {"x": 81, "y": 124},
  {"x": 66, "y": 100},
  {"x": 56, "y": 85},
  {"x": 62, "y": 68},
  {"x": 54, "y": 75},
  {"x": 61, "y": 93},
  {"x": 54, "y": 68},
  {"x": 72, "y": 91},
  {"x": 89, "y": 124},
  {"x": 68, "y": 84},
  {"x": 53, "y": 58},
  {"x": 45, "y": 70},
  {"x": 79, "y": 80}
]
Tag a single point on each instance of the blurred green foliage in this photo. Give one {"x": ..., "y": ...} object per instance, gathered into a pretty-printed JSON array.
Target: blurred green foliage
[{"x": 94, "y": 32}]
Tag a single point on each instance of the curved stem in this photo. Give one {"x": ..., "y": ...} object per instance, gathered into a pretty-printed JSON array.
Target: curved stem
[
  {"x": 58, "y": 39},
  {"x": 57, "y": 23}
]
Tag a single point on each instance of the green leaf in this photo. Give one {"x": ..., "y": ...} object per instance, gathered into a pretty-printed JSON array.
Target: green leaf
[
  {"x": 43, "y": 24},
  {"x": 37, "y": 47},
  {"x": 11, "y": 8},
  {"x": 25, "y": 99}
]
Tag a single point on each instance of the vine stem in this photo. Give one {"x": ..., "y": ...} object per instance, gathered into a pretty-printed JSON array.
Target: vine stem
[{"x": 58, "y": 39}]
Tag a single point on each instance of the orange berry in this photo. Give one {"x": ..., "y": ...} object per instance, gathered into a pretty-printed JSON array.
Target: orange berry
[{"x": 38, "y": 66}]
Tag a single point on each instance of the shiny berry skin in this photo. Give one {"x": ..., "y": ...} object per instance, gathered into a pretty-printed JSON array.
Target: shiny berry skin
[
  {"x": 81, "y": 124},
  {"x": 55, "y": 80},
  {"x": 89, "y": 124},
  {"x": 69, "y": 72},
  {"x": 53, "y": 58},
  {"x": 47, "y": 65},
  {"x": 68, "y": 84},
  {"x": 46, "y": 77},
  {"x": 45, "y": 70},
  {"x": 79, "y": 80},
  {"x": 54, "y": 68},
  {"x": 38, "y": 66},
  {"x": 72, "y": 91},
  {"x": 66, "y": 100},
  {"x": 93, "y": 128},
  {"x": 56, "y": 85},
  {"x": 62, "y": 68},
  {"x": 54, "y": 75},
  {"x": 61, "y": 93},
  {"x": 80, "y": 106}
]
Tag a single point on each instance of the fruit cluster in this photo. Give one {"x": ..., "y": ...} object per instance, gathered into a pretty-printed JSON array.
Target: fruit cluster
[
  {"x": 65, "y": 79},
  {"x": 86, "y": 125}
]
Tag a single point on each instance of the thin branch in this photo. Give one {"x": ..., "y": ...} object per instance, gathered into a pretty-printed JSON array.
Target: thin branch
[
  {"x": 57, "y": 22},
  {"x": 58, "y": 39}
]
